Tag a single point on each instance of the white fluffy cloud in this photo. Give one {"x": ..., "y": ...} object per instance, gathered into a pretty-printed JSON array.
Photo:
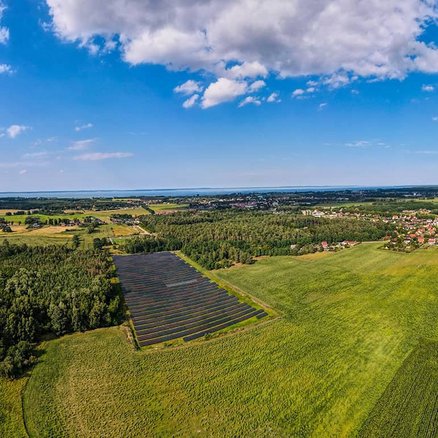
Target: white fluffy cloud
[
  {"x": 15, "y": 130},
  {"x": 4, "y": 35},
  {"x": 273, "y": 98},
  {"x": 223, "y": 90},
  {"x": 5, "y": 68},
  {"x": 191, "y": 101},
  {"x": 428, "y": 88},
  {"x": 4, "y": 31},
  {"x": 188, "y": 87},
  {"x": 250, "y": 100},
  {"x": 256, "y": 86},
  {"x": 340, "y": 40}
]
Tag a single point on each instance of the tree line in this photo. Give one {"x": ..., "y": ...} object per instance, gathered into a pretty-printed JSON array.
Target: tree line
[
  {"x": 221, "y": 238},
  {"x": 52, "y": 289}
]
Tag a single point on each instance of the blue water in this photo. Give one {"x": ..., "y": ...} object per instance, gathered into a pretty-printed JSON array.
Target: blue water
[{"x": 183, "y": 192}]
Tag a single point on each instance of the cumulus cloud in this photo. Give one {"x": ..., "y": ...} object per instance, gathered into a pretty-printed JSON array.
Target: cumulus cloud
[
  {"x": 273, "y": 97},
  {"x": 249, "y": 100},
  {"x": 337, "y": 41},
  {"x": 5, "y": 69},
  {"x": 256, "y": 86},
  {"x": 188, "y": 88},
  {"x": 96, "y": 156},
  {"x": 82, "y": 127},
  {"x": 298, "y": 92},
  {"x": 80, "y": 145},
  {"x": 223, "y": 90},
  {"x": 191, "y": 101},
  {"x": 4, "y": 31},
  {"x": 4, "y": 35},
  {"x": 428, "y": 88},
  {"x": 15, "y": 130},
  {"x": 246, "y": 70}
]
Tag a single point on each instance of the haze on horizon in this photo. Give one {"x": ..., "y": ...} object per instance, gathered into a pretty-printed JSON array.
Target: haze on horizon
[{"x": 126, "y": 94}]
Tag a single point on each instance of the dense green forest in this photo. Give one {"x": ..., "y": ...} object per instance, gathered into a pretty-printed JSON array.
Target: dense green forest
[
  {"x": 219, "y": 239},
  {"x": 51, "y": 289}
]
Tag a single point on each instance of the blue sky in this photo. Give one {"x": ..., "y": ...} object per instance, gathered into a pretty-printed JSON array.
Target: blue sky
[{"x": 88, "y": 96}]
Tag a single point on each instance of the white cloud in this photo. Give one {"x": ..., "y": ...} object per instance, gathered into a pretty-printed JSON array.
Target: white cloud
[
  {"x": 22, "y": 172},
  {"x": 6, "y": 69},
  {"x": 4, "y": 31},
  {"x": 246, "y": 70},
  {"x": 80, "y": 145},
  {"x": 428, "y": 88},
  {"x": 249, "y": 100},
  {"x": 15, "y": 130},
  {"x": 339, "y": 39},
  {"x": 82, "y": 127},
  {"x": 321, "y": 106},
  {"x": 188, "y": 88},
  {"x": 358, "y": 144},
  {"x": 223, "y": 90},
  {"x": 191, "y": 101},
  {"x": 4, "y": 35},
  {"x": 298, "y": 92},
  {"x": 365, "y": 144},
  {"x": 96, "y": 156},
  {"x": 38, "y": 155},
  {"x": 256, "y": 86},
  {"x": 273, "y": 97}
]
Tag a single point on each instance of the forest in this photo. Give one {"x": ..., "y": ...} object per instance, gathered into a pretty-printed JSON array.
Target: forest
[
  {"x": 51, "y": 290},
  {"x": 219, "y": 239}
]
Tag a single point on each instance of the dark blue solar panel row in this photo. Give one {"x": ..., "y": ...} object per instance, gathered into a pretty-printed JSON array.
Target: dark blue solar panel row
[{"x": 168, "y": 299}]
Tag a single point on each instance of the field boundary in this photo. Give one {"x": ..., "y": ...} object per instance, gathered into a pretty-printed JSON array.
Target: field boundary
[{"x": 229, "y": 287}]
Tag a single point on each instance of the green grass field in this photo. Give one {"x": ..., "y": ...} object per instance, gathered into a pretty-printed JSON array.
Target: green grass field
[
  {"x": 409, "y": 406},
  {"x": 49, "y": 235},
  {"x": 102, "y": 214},
  {"x": 11, "y": 414},
  {"x": 349, "y": 322},
  {"x": 167, "y": 207}
]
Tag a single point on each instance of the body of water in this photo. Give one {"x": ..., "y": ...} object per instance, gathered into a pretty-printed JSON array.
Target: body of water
[{"x": 183, "y": 192}]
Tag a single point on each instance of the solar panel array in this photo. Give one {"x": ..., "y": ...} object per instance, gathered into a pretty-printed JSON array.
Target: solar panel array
[{"x": 168, "y": 299}]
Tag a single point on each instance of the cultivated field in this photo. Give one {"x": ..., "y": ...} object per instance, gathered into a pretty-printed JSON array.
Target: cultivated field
[
  {"x": 350, "y": 321},
  {"x": 409, "y": 406}
]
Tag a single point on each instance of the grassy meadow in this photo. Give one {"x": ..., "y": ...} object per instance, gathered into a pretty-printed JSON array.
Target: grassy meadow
[
  {"x": 167, "y": 206},
  {"x": 349, "y": 323},
  {"x": 11, "y": 413}
]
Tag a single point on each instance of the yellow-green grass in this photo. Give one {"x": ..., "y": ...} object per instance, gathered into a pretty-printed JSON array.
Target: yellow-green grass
[
  {"x": 409, "y": 405},
  {"x": 167, "y": 207},
  {"x": 56, "y": 235},
  {"x": 11, "y": 414},
  {"x": 349, "y": 320},
  {"x": 104, "y": 215}
]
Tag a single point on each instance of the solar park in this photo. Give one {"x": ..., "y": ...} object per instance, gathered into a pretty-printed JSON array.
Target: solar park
[{"x": 169, "y": 299}]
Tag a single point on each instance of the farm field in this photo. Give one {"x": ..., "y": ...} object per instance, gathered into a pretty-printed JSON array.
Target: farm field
[
  {"x": 409, "y": 406},
  {"x": 58, "y": 235},
  {"x": 350, "y": 321},
  {"x": 167, "y": 207},
  {"x": 100, "y": 214}
]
